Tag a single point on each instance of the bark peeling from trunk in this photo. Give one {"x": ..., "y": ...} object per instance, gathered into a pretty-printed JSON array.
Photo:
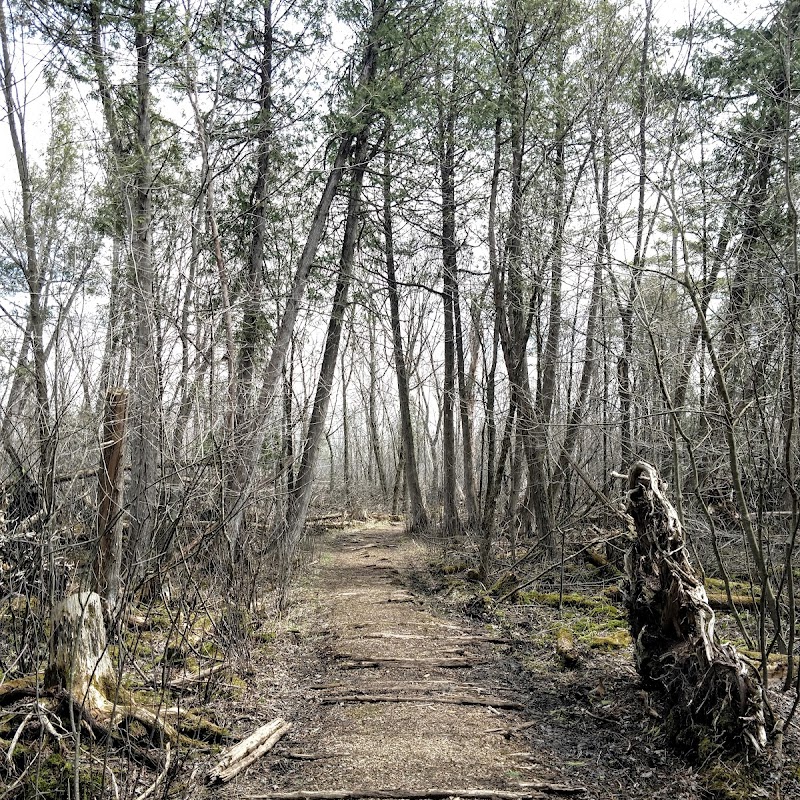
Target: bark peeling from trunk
[{"x": 713, "y": 695}]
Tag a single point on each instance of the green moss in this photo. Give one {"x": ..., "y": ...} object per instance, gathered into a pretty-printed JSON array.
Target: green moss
[
  {"x": 727, "y": 781},
  {"x": 706, "y": 748},
  {"x": 53, "y": 778},
  {"x": 619, "y": 638},
  {"x": 505, "y": 585},
  {"x": 597, "y": 606},
  {"x": 212, "y": 651},
  {"x": 148, "y": 698},
  {"x": 452, "y": 568},
  {"x": 195, "y": 727},
  {"x": 737, "y": 587}
]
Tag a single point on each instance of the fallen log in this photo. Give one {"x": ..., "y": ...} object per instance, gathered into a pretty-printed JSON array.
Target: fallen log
[
  {"x": 400, "y": 794},
  {"x": 11, "y": 691},
  {"x": 248, "y": 751},
  {"x": 712, "y": 693},
  {"x": 453, "y": 699},
  {"x": 354, "y": 662}
]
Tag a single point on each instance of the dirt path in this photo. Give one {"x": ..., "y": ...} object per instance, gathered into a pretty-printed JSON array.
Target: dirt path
[
  {"x": 357, "y": 630},
  {"x": 362, "y": 634}
]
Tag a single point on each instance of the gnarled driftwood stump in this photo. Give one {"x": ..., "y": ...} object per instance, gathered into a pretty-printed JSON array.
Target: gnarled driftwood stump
[{"x": 713, "y": 694}]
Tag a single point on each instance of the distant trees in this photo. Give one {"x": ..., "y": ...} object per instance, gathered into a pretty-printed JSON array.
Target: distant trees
[{"x": 477, "y": 261}]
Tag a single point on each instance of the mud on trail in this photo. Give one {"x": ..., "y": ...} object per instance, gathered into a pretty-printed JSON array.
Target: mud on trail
[{"x": 388, "y": 689}]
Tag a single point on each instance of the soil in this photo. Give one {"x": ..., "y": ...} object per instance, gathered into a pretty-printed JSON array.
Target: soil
[{"x": 368, "y": 618}]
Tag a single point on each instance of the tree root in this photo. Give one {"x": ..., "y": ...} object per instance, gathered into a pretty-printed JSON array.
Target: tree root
[{"x": 713, "y": 693}]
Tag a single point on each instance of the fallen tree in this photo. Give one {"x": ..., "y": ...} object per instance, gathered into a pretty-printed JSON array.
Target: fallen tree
[{"x": 714, "y": 695}]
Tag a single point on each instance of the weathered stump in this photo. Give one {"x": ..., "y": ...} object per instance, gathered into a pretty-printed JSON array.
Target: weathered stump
[
  {"x": 81, "y": 666},
  {"x": 714, "y": 696},
  {"x": 79, "y": 660}
]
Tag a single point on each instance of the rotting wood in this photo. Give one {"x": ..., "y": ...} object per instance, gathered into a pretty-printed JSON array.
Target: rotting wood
[
  {"x": 249, "y": 750},
  {"x": 713, "y": 693},
  {"x": 195, "y": 727},
  {"x": 11, "y": 691},
  {"x": 108, "y": 559},
  {"x": 453, "y": 699},
  {"x": 566, "y": 650},
  {"x": 80, "y": 665},
  {"x": 401, "y": 794},
  {"x": 719, "y": 601}
]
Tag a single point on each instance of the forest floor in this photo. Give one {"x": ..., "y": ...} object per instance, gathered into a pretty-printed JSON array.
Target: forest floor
[{"x": 391, "y": 685}]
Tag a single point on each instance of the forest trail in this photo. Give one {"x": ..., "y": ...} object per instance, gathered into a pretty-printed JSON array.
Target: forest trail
[{"x": 434, "y": 716}]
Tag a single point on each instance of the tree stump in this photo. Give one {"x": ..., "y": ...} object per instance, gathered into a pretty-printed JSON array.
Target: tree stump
[
  {"x": 79, "y": 660},
  {"x": 81, "y": 666},
  {"x": 715, "y": 697}
]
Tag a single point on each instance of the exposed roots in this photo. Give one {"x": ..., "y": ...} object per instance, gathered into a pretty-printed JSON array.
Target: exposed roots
[{"x": 714, "y": 694}]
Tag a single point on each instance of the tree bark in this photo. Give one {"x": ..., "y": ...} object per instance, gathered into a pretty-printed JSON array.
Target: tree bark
[
  {"x": 108, "y": 560},
  {"x": 251, "y": 289},
  {"x": 145, "y": 410},
  {"x": 34, "y": 277},
  {"x": 419, "y": 522},
  {"x": 589, "y": 368},
  {"x": 451, "y": 522}
]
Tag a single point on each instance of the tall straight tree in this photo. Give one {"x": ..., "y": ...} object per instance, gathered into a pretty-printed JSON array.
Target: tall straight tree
[
  {"x": 419, "y": 521},
  {"x": 446, "y": 120},
  {"x": 32, "y": 270},
  {"x": 257, "y": 217},
  {"x": 145, "y": 399},
  {"x": 243, "y": 456}
]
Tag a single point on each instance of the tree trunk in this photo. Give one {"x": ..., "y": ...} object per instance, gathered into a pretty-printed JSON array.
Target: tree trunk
[
  {"x": 589, "y": 369},
  {"x": 145, "y": 430},
  {"x": 34, "y": 277},
  {"x": 418, "y": 516},
  {"x": 251, "y": 289},
  {"x": 79, "y": 660},
  {"x": 451, "y": 523},
  {"x": 624, "y": 362},
  {"x": 108, "y": 560},
  {"x": 372, "y": 416}
]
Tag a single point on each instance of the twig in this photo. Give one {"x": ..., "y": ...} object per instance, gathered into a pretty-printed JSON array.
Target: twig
[
  {"x": 159, "y": 780},
  {"x": 509, "y": 732},
  {"x": 183, "y": 681},
  {"x": 556, "y": 788}
]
